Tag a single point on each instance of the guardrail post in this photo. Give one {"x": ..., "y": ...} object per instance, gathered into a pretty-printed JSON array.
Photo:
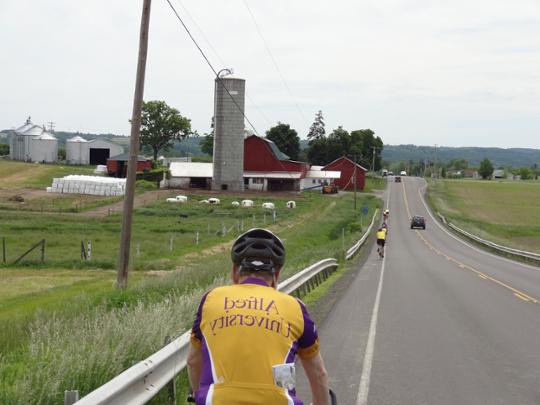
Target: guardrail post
[
  {"x": 171, "y": 387},
  {"x": 70, "y": 397}
]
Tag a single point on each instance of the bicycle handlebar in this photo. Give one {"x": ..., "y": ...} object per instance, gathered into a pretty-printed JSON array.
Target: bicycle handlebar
[{"x": 333, "y": 398}]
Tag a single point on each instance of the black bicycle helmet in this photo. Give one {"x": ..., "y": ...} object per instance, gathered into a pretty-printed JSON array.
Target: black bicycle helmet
[{"x": 258, "y": 250}]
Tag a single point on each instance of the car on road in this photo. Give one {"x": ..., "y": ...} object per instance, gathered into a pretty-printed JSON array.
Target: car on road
[
  {"x": 403, "y": 173},
  {"x": 418, "y": 222},
  {"x": 397, "y": 179}
]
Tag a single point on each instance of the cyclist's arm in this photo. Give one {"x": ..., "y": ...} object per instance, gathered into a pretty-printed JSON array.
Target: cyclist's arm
[
  {"x": 317, "y": 377},
  {"x": 194, "y": 366}
]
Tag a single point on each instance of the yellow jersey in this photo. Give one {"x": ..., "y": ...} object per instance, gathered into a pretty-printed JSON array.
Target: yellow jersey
[
  {"x": 381, "y": 234},
  {"x": 243, "y": 330}
]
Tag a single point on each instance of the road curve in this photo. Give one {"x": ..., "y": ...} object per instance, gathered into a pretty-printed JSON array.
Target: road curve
[{"x": 436, "y": 322}]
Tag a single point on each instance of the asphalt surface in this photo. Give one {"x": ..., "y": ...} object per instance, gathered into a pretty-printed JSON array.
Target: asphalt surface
[{"x": 437, "y": 321}]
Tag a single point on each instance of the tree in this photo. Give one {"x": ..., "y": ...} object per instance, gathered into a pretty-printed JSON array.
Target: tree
[
  {"x": 286, "y": 139},
  {"x": 525, "y": 173},
  {"x": 207, "y": 144},
  {"x": 161, "y": 125},
  {"x": 486, "y": 169},
  {"x": 316, "y": 131},
  {"x": 4, "y": 149}
]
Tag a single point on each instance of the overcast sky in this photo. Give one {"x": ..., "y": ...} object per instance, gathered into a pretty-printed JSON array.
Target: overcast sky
[{"x": 454, "y": 73}]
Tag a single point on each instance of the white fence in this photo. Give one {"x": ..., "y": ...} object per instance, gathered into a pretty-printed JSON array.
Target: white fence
[{"x": 144, "y": 380}]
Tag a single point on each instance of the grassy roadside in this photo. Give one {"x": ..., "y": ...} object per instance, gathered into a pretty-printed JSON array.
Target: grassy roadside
[{"x": 505, "y": 212}]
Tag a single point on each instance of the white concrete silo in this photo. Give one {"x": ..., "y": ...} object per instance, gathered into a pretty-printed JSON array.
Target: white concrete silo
[
  {"x": 76, "y": 151},
  {"x": 229, "y": 100}
]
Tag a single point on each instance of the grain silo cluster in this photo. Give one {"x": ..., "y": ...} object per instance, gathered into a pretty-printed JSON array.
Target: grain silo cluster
[{"x": 33, "y": 143}]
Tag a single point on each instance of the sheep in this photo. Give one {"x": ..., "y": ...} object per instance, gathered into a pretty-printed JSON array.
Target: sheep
[
  {"x": 235, "y": 204},
  {"x": 247, "y": 203},
  {"x": 291, "y": 204},
  {"x": 268, "y": 205},
  {"x": 214, "y": 201}
]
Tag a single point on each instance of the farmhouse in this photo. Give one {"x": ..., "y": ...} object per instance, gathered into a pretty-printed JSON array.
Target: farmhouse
[{"x": 349, "y": 172}]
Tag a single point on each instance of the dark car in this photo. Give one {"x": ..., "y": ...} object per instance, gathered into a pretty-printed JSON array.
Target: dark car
[
  {"x": 397, "y": 179},
  {"x": 418, "y": 222}
]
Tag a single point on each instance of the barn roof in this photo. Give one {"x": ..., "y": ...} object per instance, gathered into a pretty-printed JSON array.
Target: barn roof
[
  {"x": 192, "y": 169},
  {"x": 124, "y": 157},
  {"x": 274, "y": 175},
  {"x": 346, "y": 159},
  {"x": 323, "y": 174}
]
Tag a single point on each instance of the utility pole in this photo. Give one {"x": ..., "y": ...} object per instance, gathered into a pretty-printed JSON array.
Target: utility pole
[
  {"x": 125, "y": 238},
  {"x": 51, "y": 126},
  {"x": 354, "y": 182},
  {"x": 373, "y": 161},
  {"x": 436, "y": 165}
]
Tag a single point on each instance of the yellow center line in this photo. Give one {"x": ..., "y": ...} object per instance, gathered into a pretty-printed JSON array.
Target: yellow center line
[
  {"x": 521, "y": 297},
  {"x": 517, "y": 293}
]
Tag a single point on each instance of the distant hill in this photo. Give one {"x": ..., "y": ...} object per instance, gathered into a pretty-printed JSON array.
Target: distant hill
[{"x": 515, "y": 157}]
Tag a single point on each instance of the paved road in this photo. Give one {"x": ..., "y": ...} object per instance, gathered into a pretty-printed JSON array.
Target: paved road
[{"x": 436, "y": 322}]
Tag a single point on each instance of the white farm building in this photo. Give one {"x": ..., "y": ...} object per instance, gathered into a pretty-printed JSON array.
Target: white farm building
[
  {"x": 32, "y": 143},
  {"x": 79, "y": 151}
]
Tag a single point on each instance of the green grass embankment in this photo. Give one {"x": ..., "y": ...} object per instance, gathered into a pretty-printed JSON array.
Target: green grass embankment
[
  {"x": 86, "y": 332},
  {"x": 505, "y": 212}
]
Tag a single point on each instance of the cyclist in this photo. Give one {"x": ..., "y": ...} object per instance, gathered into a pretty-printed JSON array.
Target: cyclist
[
  {"x": 381, "y": 240},
  {"x": 246, "y": 335},
  {"x": 386, "y": 212}
]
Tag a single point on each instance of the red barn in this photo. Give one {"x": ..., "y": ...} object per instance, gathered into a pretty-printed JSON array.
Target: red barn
[
  {"x": 117, "y": 165},
  {"x": 349, "y": 170},
  {"x": 267, "y": 168}
]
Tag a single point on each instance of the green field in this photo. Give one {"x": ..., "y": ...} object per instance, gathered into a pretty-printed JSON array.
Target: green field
[
  {"x": 505, "y": 212},
  {"x": 63, "y": 325},
  {"x": 21, "y": 174}
]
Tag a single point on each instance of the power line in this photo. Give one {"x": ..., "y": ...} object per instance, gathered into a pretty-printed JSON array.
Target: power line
[
  {"x": 202, "y": 33},
  {"x": 251, "y": 102},
  {"x": 274, "y": 61},
  {"x": 210, "y": 65}
]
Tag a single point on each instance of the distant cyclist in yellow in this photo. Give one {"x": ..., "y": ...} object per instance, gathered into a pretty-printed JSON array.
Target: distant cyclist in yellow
[
  {"x": 246, "y": 336},
  {"x": 381, "y": 240}
]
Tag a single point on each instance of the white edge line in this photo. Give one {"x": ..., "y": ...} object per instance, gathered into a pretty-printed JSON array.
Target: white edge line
[
  {"x": 363, "y": 389},
  {"x": 465, "y": 243}
]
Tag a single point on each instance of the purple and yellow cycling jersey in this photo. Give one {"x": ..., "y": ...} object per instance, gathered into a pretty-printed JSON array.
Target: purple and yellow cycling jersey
[{"x": 244, "y": 330}]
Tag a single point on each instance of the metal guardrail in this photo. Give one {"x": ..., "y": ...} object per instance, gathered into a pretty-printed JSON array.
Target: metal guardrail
[
  {"x": 141, "y": 382},
  {"x": 500, "y": 248},
  {"x": 504, "y": 249},
  {"x": 352, "y": 250}
]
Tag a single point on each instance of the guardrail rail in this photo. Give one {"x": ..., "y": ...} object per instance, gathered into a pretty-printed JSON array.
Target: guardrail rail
[{"x": 505, "y": 250}]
